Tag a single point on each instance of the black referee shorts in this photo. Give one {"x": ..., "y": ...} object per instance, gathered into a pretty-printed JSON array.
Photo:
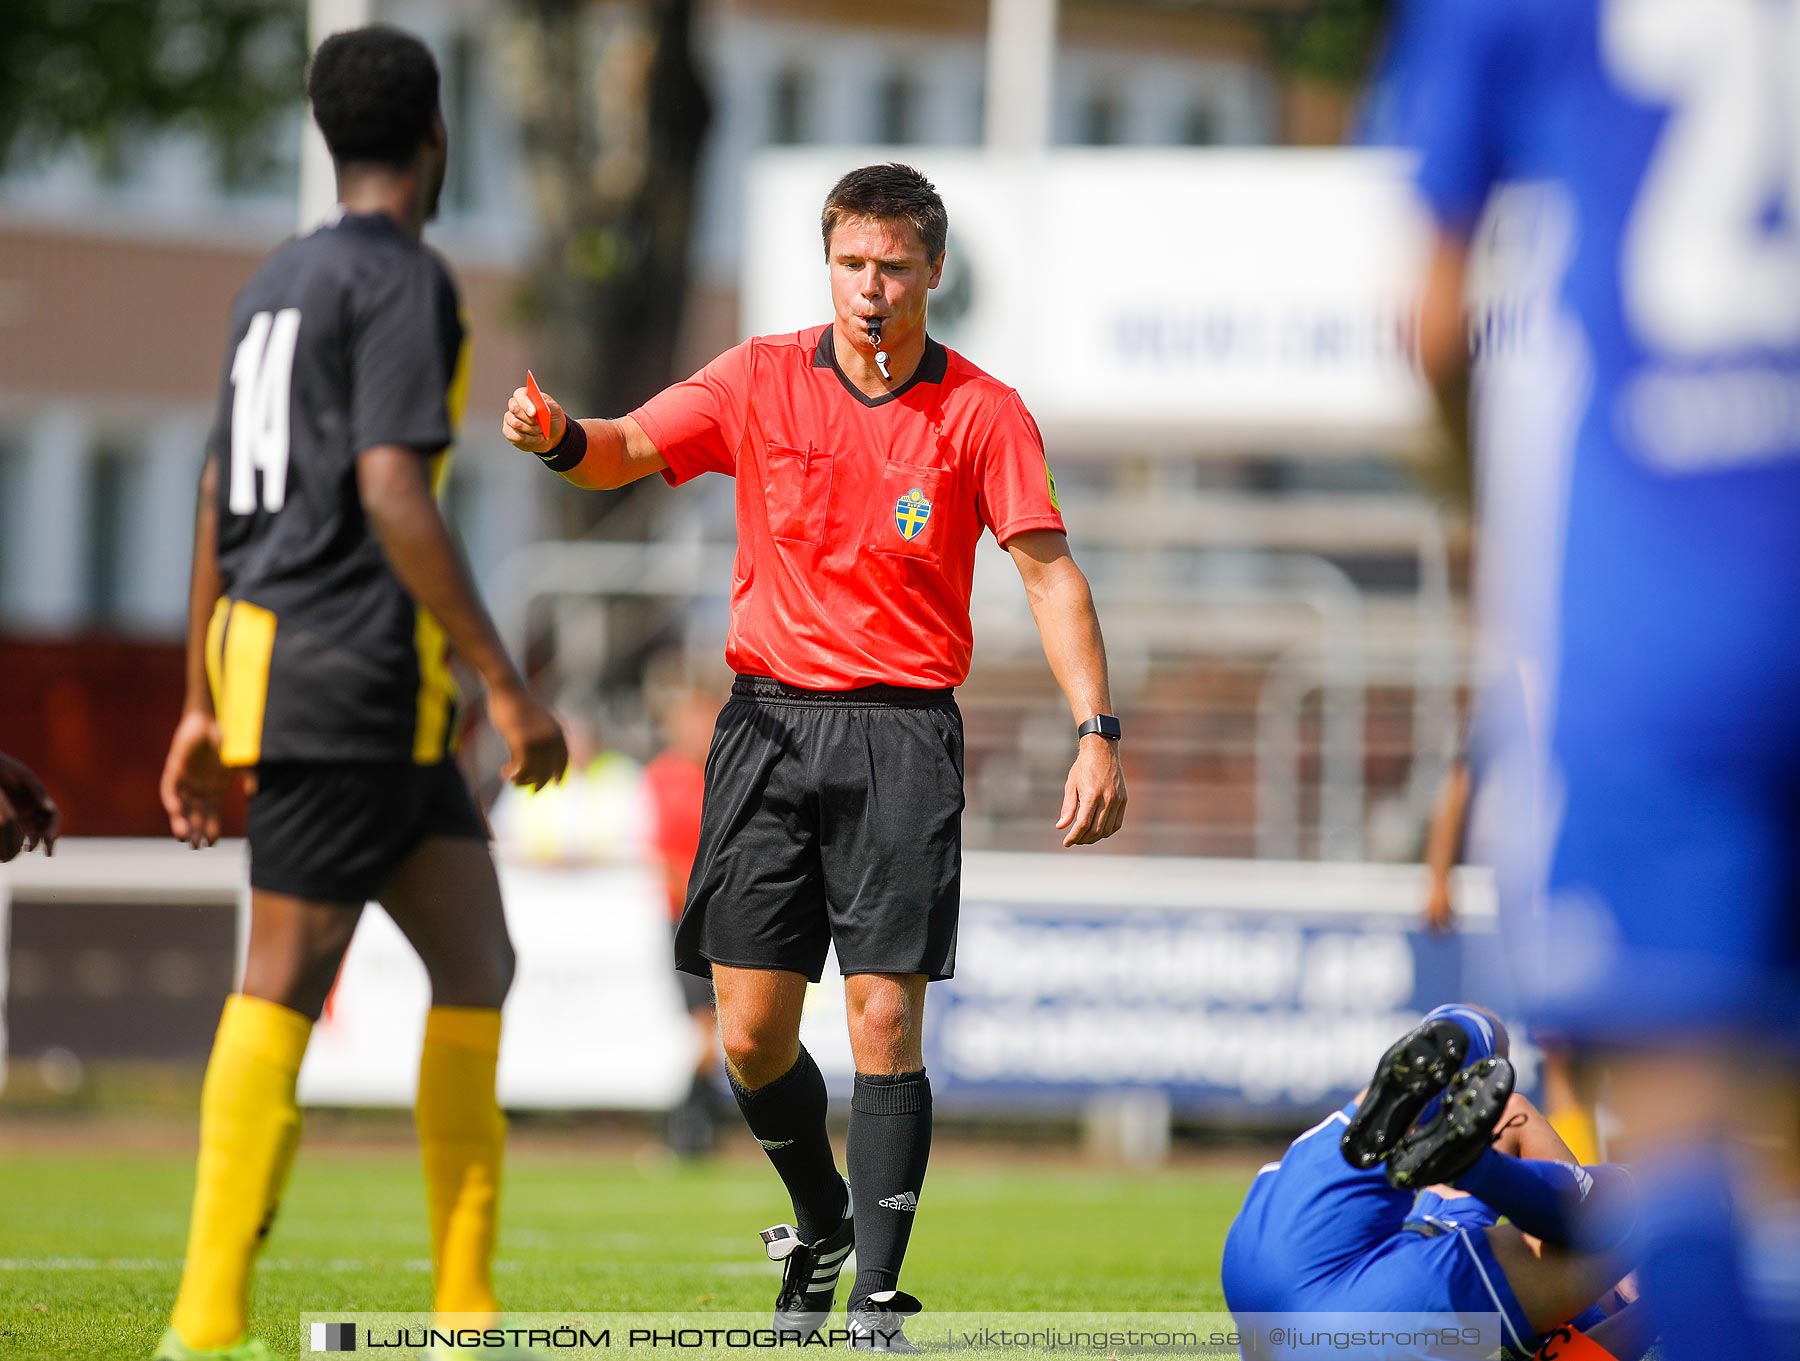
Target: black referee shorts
[
  {"x": 831, "y": 818},
  {"x": 333, "y": 831}
]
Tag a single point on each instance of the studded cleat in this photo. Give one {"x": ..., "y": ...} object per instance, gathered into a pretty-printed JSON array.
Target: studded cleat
[
  {"x": 1453, "y": 1140},
  {"x": 1418, "y": 1066}
]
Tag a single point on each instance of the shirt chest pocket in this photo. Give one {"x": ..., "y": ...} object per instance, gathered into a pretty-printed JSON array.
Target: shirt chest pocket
[
  {"x": 797, "y": 492},
  {"x": 903, "y": 517}
]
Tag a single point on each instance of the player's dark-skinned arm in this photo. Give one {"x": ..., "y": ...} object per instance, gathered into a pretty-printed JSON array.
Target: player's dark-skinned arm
[
  {"x": 395, "y": 486},
  {"x": 194, "y": 779},
  {"x": 1093, "y": 806},
  {"x": 618, "y": 451},
  {"x": 1444, "y": 353}
]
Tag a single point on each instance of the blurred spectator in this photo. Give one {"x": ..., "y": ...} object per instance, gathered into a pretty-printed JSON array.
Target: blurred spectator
[
  {"x": 1444, "y": 843},
  {"x": 593, "y": 817},
  {"x": 673, "y": 786},
  {"x": 1570, "y": 1112},
  {"x": 29, "y": 817}
]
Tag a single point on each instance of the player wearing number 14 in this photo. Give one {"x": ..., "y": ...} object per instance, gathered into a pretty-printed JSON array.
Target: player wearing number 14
[{"x": 325, "y": 589}]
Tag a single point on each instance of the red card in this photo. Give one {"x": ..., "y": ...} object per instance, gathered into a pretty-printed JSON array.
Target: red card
[{"x": 539, "y": 407}]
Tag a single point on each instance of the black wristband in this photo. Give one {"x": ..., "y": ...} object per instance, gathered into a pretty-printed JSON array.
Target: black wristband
[{"x": 568, "y": 451}]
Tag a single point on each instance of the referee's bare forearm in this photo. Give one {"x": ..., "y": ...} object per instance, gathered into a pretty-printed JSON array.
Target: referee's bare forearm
[
  {"x": 1070, "y": 629},
  {"x": 1063, "y": 606},
  {"x": 618, "y": 452},
  {"x": 593, "y": 454}
]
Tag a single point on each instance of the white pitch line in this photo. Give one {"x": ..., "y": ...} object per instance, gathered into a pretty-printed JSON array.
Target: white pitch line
[
  {"x": 338, "y": 1264},
  {"x": 90, "y": 1263}
]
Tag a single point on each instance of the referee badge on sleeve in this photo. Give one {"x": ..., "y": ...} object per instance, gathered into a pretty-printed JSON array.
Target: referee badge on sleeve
[{"x": 910, "y": 514}]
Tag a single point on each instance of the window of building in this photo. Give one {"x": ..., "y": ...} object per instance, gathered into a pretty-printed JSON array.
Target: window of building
[
  {"x": 118, "y": 157},
  {"x": 1200, "y": 124},
  {"x": 896, "y": 110},
  {"x": 461, "y": 77},
  {"x": 1102, "y": 120},
  {"x": 111, "y": 502},
  {"x": 257, "y": 167},
  {"x": 13, "y": 509},
  {"x": 788, "y": 100}
]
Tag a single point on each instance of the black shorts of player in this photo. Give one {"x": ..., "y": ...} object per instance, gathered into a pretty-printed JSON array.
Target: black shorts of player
[
  {"x": 333, "y": 831},
  {"x": 830, "y": 819}
]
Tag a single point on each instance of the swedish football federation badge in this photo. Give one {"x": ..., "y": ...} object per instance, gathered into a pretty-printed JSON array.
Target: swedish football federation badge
[{"x": 910, "y": 514}]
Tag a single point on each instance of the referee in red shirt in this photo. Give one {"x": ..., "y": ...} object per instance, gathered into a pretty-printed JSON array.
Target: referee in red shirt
[{"x": 868, "y": 459}]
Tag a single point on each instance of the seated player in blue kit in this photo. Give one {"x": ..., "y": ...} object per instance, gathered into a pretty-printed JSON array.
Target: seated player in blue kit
[{"x": 1393, "y": 1205}]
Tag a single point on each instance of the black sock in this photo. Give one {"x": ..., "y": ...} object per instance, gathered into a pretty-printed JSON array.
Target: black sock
[
  {"x": 788, "y": 1119},
  {"x": 890, "y": 1142}
]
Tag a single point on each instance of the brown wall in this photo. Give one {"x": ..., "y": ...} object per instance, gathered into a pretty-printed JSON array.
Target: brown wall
[
  {"x": 1195, "y": 28},
  {"x": 92, "y": 716},
  {"x": 108, "y": 318}
]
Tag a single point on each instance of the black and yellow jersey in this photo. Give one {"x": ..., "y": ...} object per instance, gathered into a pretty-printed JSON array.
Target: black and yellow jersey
[{"x": 346, "y": 338}]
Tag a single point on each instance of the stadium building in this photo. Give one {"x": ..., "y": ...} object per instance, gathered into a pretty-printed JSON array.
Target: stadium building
[
  {"x": 1283, "y": 607},
  {"x": 100, "y": 423}
]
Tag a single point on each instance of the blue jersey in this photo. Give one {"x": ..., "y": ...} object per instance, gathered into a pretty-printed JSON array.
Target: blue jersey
[
  {"x": 1317, "y": 1237},
  {"x": 1671, "y": 648},
  {"x": 1671, "y": 126}
]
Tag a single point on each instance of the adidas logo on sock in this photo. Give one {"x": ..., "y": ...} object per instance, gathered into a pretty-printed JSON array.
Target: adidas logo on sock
[
  {"x": 772, "y": 1144},
  {"x": 906, "y": 1201}
]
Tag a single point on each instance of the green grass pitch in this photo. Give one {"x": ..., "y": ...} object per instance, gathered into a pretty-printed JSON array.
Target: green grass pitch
[{"x": 90, "y": 1242}]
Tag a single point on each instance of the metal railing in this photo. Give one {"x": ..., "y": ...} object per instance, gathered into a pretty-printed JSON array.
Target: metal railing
[{"x": 1161, "y": 598}]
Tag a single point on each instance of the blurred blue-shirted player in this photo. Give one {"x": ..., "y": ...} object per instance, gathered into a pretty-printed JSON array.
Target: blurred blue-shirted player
[
  {"x": 1320, "y": 1235},
  {"x": 1671, "y": 881}
]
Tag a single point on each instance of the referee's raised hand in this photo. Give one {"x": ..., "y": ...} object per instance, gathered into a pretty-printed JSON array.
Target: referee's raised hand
[{"x": 520, "y": 426}]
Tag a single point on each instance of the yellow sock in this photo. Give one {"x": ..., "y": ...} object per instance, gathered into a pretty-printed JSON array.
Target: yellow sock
[
  {"x": 461, "y": 1138},
  {"x": 249, "y": 1129},
  {"x": 1575, "y": 1126}
]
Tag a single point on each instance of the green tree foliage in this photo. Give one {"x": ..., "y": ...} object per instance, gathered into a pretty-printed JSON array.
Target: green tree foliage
[
  {"x": 95, "y": 69},
  {"x": 1332, "y": 40},
  {"x": 614, "y": 115}
]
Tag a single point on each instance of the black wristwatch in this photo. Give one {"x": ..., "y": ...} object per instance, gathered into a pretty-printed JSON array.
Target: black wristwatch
[{"x": 1104, "y": 724}]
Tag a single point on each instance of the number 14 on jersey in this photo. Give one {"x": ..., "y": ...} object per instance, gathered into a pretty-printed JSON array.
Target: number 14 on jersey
[{"x": 262, "y": 379}]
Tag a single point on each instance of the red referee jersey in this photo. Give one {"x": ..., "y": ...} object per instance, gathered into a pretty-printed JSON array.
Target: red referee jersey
[{"x": 857, "y": 516}]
